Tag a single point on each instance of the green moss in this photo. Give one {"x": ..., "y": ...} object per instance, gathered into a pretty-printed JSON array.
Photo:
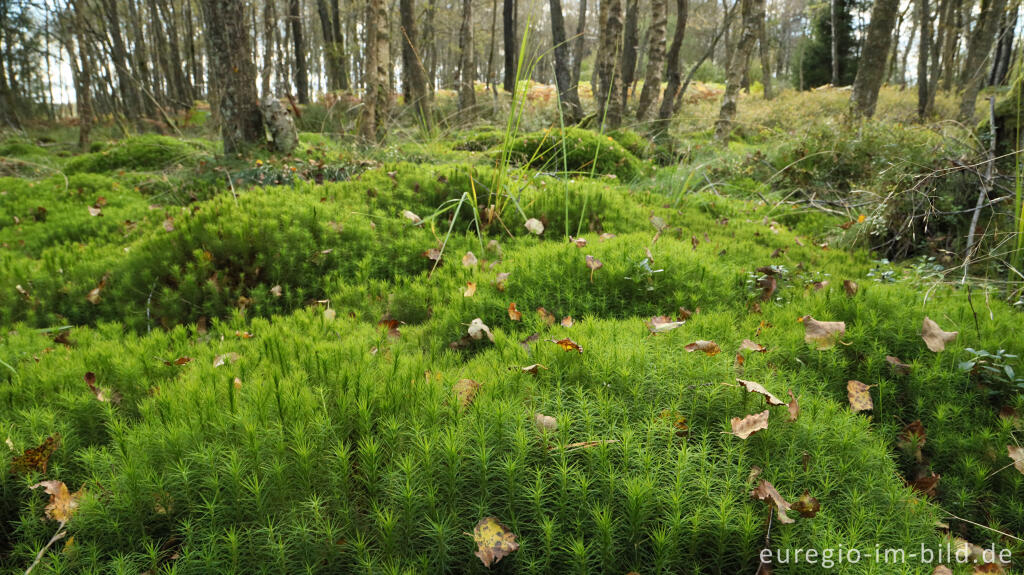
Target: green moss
[
  {"x": 544, "y": 150},
  {"x": 142, "y": 153}
]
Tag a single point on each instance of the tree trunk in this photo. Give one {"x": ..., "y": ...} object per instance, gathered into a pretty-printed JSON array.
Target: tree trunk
[
  {"x": 674, "y": 65},
  {"x": 467, "y": 60},
  {"x": 978, "y": 47},
  {"x": 415, "y": 78},
  {"x": 491, "y": 79},
  {"x": 377, "y": 62},
  {"x": 753, "y": 13},
  {"x": 340, "y": 54},
  {"x": 8, "y": 113},
  {"x": 1004, "y": 49},
  {"x": 629, "y": 51},
  {"x": 269, "y": 23},
  {"x": 579, "y": 44},
  {"x": 227, "y": 40},
  {"x": 429, "y": 45},
  {"x": 954, "y": 23},
  {"x": 871, "y": 69},
  {"x": 301, "y": 71},
  {"x": 924, "y": 49},
  {"x": 834, "y": 20},
  {"x": 119, "y": 59},
  {"x": 936, "y": 54},
  {"x": 656, "y": 60},
  {"x": 508, "y": 20},
  {"x": 609, "y": 78},
  {"x": 766, "y": 68},
  {"x": 567, "y": 95},
  {"x": 83, "y": 79}
]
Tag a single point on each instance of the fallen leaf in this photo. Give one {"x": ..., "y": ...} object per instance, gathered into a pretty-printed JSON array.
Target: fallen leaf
[
  {"x": 658, "y": 223},
  {"x": 594, "y": 264},
  {"x": 942, "y": 570},
  {"x": 606, "y": 236},
  {"x": 708, "y": 347},
  {"x": 513, "y": 313},
  {"x": 500, "y": 282},
  {"x": 806, "y": 506},
  {"x": 754, "y": 387},
  {"x": 433, "y": 254},
  {"x": 534, "y": 226},
  {"x": 823, "y": 334},
  {"x": 225, "y": 358},
  {"x": 766, "y": 492},
  {"x": 898, "y": 367},
  {"x": 63, "y": 503},
  {"x": 850, "y": 287},
  {"x": 330, "y": 314},
  {"x": 94, "y": 211},
  {"x": 94, "y": 294},
  {"x": 567, "y": 321},
  {"x": 36, "y": 458},
  {"x": 470, "y": 289},
  {"x": 859, "y": 395},
  {"x": 934, "y": 337},
  {"x": 926, "y": 485},
  {"x": 465, "y": 390},
  {"x": 749, "y": 425},
  {"x": 793, "y": 406},
  {"x": 533, "y": 369},
  {"x": 529, "y": 339},
  {"x": 580, "y": 242},
  {"x": 585, "y": 444},
  {"x": 102, "y": 394},
  {"x": 469, "y": 260},
  {"x": 494, "y": 541},
  {"x": 277, "y": 291},
  {"x": 662, "y": 324},
  {"x": 169, "y": 224},
  {"x": 477, "y": 330},
  {"x": 768, "y": 284},
  {"x": 568, "y": 344},
  {"x": 411, "y": 217},
  {"x": 912, "y": 439},
  {"x": 545, "y": 422},
  {"x": 748, "y": 345},
  {"x": 547, "y": 316},
  {"x": 1017, "y": 455},
  {"x": 180, "y": 361}
]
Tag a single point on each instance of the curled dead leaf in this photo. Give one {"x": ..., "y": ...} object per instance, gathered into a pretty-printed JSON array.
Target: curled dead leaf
[
  {"x": 63, "y": 503},
  {"x": 567, "y": 321},
  {"x": 749, "y": 425},
  {"x": 708, "y": 347},
  {"x": 469, "y": 260},
  {"x": 823, "y": 334},
  {"x": 513, "y": 313},
  {"x": 594, "y": 264},
  {"x": 754, "y": 387},
  {"x": 898, "y": 367},
  {"x": 793, "y": 407},
  {"x": 926, "y": 485},
  {"x": 859, "y": 396},
  {"x": 544, "y": 422},
  {"x": 470, "y": 289},
  {"x": 494, "y": 541},
  {"x": 1017, "y": 455},
  {"x": 36, "y": 458},
  {"x": 934, "y": 337},
  {"x": 850, "y": 287},
  {"x": 568, "y": 344},
  {"x": 548, "y": 317},
  {"x": 533, "y": 369},
  {"x": 477, "y": 330},
  {"x": 534, "y": 226},
  {"x": 748, "y": 345},
  {"x": 765, "y": 491},
  {"x": 662, "y": 324},
  {"x": 806, "y": 506},
  {"x": 411, "y": 217},
  {"x": 500, "y": 281}
]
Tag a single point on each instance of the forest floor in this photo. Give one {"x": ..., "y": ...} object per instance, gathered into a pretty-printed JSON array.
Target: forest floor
[{"x": 343, "y": 360}]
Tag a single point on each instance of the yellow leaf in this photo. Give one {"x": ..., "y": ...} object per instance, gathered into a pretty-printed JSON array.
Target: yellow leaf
[
  {"x": 63, "y": 503},
  {"x": 859, "y": 395},
  {"x": 493, "y": 540},
  {"x": 465, "y": 390}
]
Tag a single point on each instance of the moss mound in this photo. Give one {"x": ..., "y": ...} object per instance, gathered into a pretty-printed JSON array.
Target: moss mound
[
  {"x": 544, "y": 150},
  {"x": 142, "y": 153}
]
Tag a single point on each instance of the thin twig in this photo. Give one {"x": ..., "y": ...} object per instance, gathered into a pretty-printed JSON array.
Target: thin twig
[{"x": 56, "y": 537}]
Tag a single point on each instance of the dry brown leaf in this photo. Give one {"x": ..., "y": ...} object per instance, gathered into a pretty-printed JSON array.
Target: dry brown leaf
[
  {"x": 63, "y": 503},
  {"x": 823, "y": 334},
  {"x": 477, "y": 330},
  {"x": 568, "y": 344},
  {"x": 94, "y": 294},
  {"x": 754, "y": 387},
  {"x": 534, "y": 226},
  {"x": 766, "y": 492},
  {"x": 606, "y": 236},
  {"x": 749, "y": 425},
  {"x": 708, "y": 347},
  {"x": 225, "y": 359},
  {"x": 411, "y": 217},
  {"x": 493, "y": 540},
  {"x": 169, "y": 224},
  {"x": 544, "y": 422},
  {"x": 513, "y": 313},
  {"x": 548, "y": 317},
  {"x": 806, "y": 506},
  {"x": 465, "y": 390},
  {"x": 662, "y": 324},
  {"x": 499, "y": 282},
  {"x": 926, "y": 485},
  {"x": 934, "y": 337},
  {"x": 101, "y": 393},
  {"x": 594, "y": 264},
  {"x": 36, "y": 458},
  {"x": 470, "y": 289},
  {"x": 748, "y": 345},
  {"x": 859, "y": 396},
  {"x": 793, "y": 406},
  {"x": 898, "y": 367},
  {"x": 567, "y": 321},
  {"x": 469, "y": 260},
  {"x": 533, "y": 369},
  {"x": 1017, "y": 455},
  {"x": 850, "y": 287},
  {"x": 580, "y": 242},
  {"x": 942, "y": 570}
]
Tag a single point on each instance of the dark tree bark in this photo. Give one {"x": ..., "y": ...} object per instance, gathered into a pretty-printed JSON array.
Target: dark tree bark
[
  {"x": 181, "y": 89},
  {"x": 301, "y": 71},
  {"x": 429, "y": 45},
  {"x": 491, "y": 78},
  {"x": 579, "y": 44},
  {"x": 227, "y": 41},
  {"x": 567, "y": 94},
  {"x": 629, "y": 50},
  {"x": 954, "y": 25},
  {"x": 119, "y": 59},
  {"x": 834, "y": 21},
  {"x": 81, "y": 69},
  {"x": 414, "y": 77},
  {"x": 376, "y": 78},
  {"x": 766, "y": 67},
  {"x": 936, "y": 54},
  {"x": 871, "y": 69},
  {"x": 467, "y": 60},
  {"x": 924, "y": 49},
  {"x": 8, "y": 111},
  {"x": 656, "y": 60},
  {"x": 508, "y": 20},
  {"x": 140, "y": 62},
  {"x": 753, "y": 13},
  {"x": 978, "y": 47},
  {"x": 1004, "y": 49},
  {"x": 269, "y": 21},
  {"x": 609, "y": 78},
  {"x": 673, "y": 88}
]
